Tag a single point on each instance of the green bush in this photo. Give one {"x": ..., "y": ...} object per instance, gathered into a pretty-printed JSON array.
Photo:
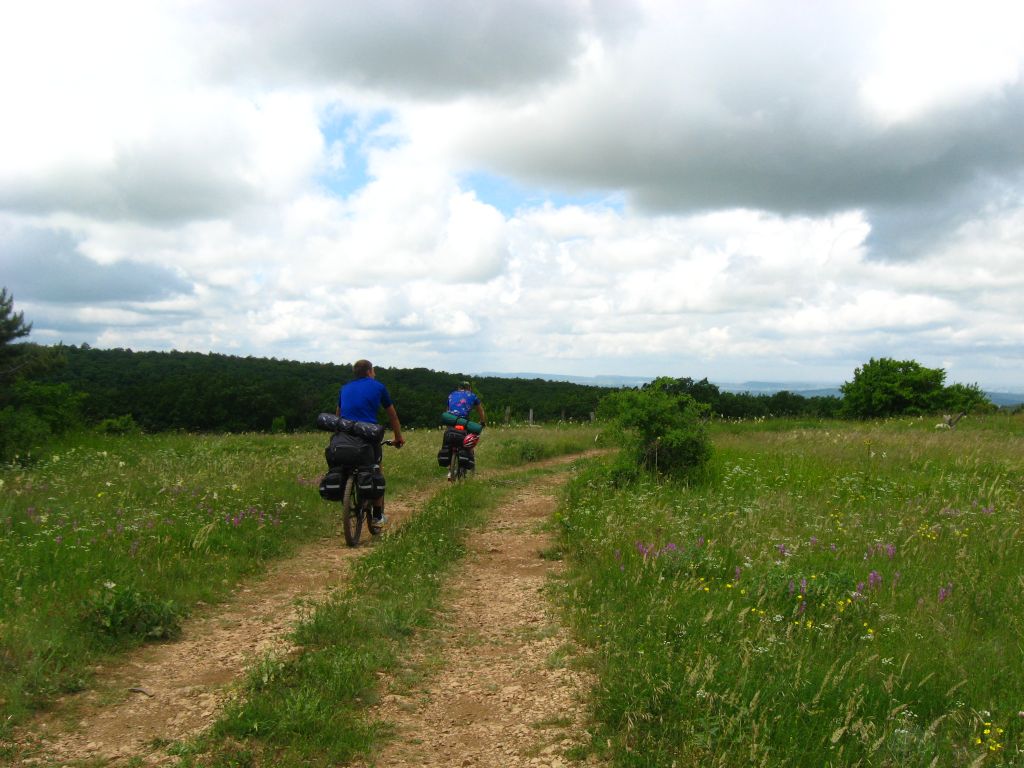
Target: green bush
[
  {"x": 885, "y": 387},
  {"x": 21, "y": 432},
  {"x": 121, "y": 612},
  {"x": 121, "y": 425},
  {"x": 661, "y": 429}
]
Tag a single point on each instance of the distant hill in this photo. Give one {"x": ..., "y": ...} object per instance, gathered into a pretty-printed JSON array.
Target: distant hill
[
  {"x": 802, "y": 388},
  {"x": 1006, "y": 399},
  {"x": 590, "y": 381}
]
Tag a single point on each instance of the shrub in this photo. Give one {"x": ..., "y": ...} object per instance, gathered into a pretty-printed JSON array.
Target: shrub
[
  {"x": 121, "y": 612},
  {"x": 120, "y": 425},
  {"x": 21, "y": 432},
  {"x": 661, "y": 430}
]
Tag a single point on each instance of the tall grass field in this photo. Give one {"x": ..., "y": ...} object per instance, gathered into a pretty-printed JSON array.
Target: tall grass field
[
  {"x": 112, "y": 541},
  {"x": 825, "y": 594}
]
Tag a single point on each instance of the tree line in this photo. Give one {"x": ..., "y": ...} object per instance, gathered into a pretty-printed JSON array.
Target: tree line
[{"x": 48, "y": 390}]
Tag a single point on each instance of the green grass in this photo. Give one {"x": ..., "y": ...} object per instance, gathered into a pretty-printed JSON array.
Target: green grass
[
  {"x": 111, "y": 541},
  {"x": 831, "y": 594}
]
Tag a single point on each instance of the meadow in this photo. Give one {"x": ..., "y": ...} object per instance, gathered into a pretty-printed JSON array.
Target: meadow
[
  {"x": 111, "y": 541},
  {"x": 824, "y": 594}
]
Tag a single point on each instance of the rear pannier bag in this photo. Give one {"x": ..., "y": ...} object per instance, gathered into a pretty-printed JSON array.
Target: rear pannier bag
[
  {"x": 466, "y": 460},
  {"x": 453, "y": 438},
  {"x": 371, "y": 482},
  {"x": 347, "y": 450},
  {"x": 444, "y": 456},
  {"x": 332, "y": 486}
]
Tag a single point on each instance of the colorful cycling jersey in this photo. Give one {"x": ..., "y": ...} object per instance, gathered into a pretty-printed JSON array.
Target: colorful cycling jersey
[
  {"x": 360, "y": 399},
  {"x": 462, "y": 401}
]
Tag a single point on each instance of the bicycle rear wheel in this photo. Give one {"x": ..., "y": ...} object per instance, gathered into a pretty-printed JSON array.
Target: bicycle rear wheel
[
  {"x": 352, "y": 512},
  {"x": 459, "y": 473}
]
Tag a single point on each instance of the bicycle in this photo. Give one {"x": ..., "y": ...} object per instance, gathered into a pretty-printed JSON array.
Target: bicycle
[
  {"x": 353, "y": 476},
  {"x": 355, "y": 509},
  {"x": 463, "y": 459}
]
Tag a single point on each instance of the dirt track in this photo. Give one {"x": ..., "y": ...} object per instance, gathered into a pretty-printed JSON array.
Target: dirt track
[
  {"x": 506, "y": 692},
  {"x": 168, "y": 692}
]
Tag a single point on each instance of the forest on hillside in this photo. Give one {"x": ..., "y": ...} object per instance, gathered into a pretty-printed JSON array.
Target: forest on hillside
[{"x": 214, "y": 392}]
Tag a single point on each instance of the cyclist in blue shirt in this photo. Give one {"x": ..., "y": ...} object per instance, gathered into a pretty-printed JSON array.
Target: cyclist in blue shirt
[{"x": 360, "y": 400}]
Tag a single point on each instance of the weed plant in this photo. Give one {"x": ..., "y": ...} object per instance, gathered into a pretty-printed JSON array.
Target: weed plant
[
  {"x": 840, "y": 595},
  {"x": 111, "y": 540}
]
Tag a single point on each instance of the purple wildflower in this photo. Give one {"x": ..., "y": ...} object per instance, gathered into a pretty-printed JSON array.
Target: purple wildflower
[
  {"x": 874, "y": 579},
  {"x": 945, "y": 592}
]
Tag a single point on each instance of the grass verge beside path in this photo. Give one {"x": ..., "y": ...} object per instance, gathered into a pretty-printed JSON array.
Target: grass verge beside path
[
  {"x": 847, "y": 595},
  {"x": 310, "y": 709},
  {"x": 112, "y": 541}
]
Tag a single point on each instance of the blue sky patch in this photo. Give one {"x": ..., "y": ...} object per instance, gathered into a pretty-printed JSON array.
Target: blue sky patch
[{"x": 508, "y": 195}]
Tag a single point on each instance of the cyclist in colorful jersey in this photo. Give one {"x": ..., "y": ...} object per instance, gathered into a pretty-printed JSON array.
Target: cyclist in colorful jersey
[
  {"x": 460, "y": 402},
  {"x": 463, "y": 400},
  {"x": 360, "y": 400}
]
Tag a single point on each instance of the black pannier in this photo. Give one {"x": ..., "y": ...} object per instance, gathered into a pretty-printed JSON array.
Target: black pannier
[
  {"x": 347, "y": 450},
  {"x": 444, "y": 456},
  {"x": 332, "y": 486},
  {"x": 370, "y": 481},
  {"x": 453, "y": 439},
  {"x": 466, "y": 460}
]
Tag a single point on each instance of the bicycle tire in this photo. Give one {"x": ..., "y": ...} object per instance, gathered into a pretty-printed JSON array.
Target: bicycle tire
[
  {"x": 352, "y": 512},
  {"x": 460, "y": 471}
]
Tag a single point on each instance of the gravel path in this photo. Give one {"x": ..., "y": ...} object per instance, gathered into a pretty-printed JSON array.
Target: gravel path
[
  {"x": 504, "y": 691},
  {"x": 164, "y": 693}
]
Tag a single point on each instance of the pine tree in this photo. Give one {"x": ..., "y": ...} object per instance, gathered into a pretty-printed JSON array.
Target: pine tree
[{"x": 12, "y": 326}]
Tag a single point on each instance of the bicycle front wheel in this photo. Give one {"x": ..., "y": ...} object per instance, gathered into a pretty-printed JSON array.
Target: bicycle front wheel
[{"x": 352, "y": 512}]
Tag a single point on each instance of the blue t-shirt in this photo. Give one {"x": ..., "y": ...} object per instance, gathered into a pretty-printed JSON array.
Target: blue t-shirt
[
  {"x": 360, "y": 399},
  {"x": 461, "y": 402}
]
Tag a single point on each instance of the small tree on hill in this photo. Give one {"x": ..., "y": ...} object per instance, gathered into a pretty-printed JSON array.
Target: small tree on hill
[
  {"x": 30, "y": 412},
  {"x": 661, "y": 429},
  {"x": 12, "y": 327},
  {"x": 886, "y": 387},
  {"x": 966, "y": 398}
]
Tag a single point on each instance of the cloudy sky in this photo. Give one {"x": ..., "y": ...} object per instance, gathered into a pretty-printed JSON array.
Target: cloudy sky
[{"x": 736, "y": 189}]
